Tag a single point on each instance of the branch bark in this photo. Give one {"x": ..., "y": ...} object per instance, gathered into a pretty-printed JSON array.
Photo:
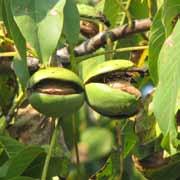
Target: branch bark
[
  {"x": 99, "y": 40},
  {"x": 95, "y": 42}
]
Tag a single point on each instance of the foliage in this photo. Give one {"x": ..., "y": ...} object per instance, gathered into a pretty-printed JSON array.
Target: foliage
[{"x": 36, "y": 34}]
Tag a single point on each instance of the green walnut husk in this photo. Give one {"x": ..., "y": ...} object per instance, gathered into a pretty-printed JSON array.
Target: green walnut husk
[
  {"x": 55, "y": 91},
  {"x": 109, "y": 92}
]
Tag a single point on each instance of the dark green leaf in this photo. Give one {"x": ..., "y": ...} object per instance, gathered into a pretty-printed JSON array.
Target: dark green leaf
[
  {"x": 168, "y": 171},
  {"x": 71, "y": 22},
  {"x": 10, "y": 145},
  {"x": 8, "y": 90},
  {"x": 129, "y": 137},
  {"x": 171, "y": 11},
  {"x": 22, "y": 160}
]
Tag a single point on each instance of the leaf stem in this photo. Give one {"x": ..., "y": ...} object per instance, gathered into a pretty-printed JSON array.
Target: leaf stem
[
  {"x": 134, "y": 48},
  {"x": 119, "y": 149},
  {"x": 50, "y": 150},
  {"x": 128, "y": 15},
  {"x": 72, "y": 59},
  {"x": 75, "y": 140},
  {"x": 17, "y": 103},
  {"x": 150, "y": 8},
  {"x": 7, "y": 54},
  {"x": 75, "y": 70}
]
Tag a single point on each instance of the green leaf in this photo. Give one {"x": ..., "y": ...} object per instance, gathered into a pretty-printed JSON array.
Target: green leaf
[
  {"x": 22, "y": 160},
  {"x": 171, "y": 9},
  {"x": 97, "y": 142},
  {"x": 59, "y": 166},
  {"x": 3, "y": 124},
  {"x": 85, "y": 10},
  {"x": 157, "y": 37},
  {"x": 138, "y": 9},
  {"x": 13, "y": 28},
  {"x": 129, "y": 138},
  {"x": 168, "y": 171},
  {"x": 10, "y": 145},
  {"x": 16, "y": 35},
  {"x": 133, "y": 173},
  {"x": 41, "y": 23},
  {"x": 4, "y": 169},
  {"x": 0, "y": 11},
  {"x": 115, "y": 17},
  {"x": 71, "y": 22},
  {"x": 20, "y": 68},
  {"x": 8, "y": 90},
  {"x": 86, "y": 66},
  {"x": 166, "y": 99}
]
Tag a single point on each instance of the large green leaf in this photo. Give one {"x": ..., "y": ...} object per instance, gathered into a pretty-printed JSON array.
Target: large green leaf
[
  {"x": 22, "y": 160},
  {"x": 16, "y": 35},
  {"x": 71, "y": 22},
  {"x": 157, "y": 37},
  {"x": 170, "y": 14},
  {"x": 59, "y": 166},
  {"x": 10, "y": 146},
  {"x": 8, "y": 90},
  {"x": 116, "y": 16},
  {"x": 41, "y": 23},
  {"x": 166, "y": 99}
]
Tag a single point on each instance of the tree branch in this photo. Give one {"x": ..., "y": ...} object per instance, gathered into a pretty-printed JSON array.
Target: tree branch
[
  {"x": 99, "y": 40},
  {"x": 95, "y": 42}
]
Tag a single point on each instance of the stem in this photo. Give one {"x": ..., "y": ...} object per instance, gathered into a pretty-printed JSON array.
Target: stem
[
  {"x": 75, "y": 141},
  {"x": 150, "y": 8},
  {"x": 20, "y": 98},
  {"x": 120, "y": 147},
  {"x": 72, "y": 59},
  {"x": 7, "y": 39},
  {"x": 50, "y": 150},
  {"x": 74, "y": 69},
  {"x": 134, "y": 48},
  {"x": 109, "y": 48},
  {"x": 128, "y": 15},
  {"x": 123, "y": 20},
  {"x": 7, "y": 54}
]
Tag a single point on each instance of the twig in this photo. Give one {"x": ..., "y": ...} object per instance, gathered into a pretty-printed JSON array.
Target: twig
[
  {"x": 95, "y": 42},
  {"x": 51, "y": 146},
  {"x": 99, "y": 40},
  {"x": 126, "y": 49}
]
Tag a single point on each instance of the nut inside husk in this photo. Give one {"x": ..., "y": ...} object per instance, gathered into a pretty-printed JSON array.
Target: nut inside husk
[
  {"x": 56, "y": 87},
  {"x": 111, "y": 93},
  {"x": 55, "y": 92},
  {"x": 118, "y": 80}
]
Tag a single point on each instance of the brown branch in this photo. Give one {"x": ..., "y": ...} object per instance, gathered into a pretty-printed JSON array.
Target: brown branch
[
  {"x": 96, "y": 42},
  {"x": 99, "y": 40}
]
